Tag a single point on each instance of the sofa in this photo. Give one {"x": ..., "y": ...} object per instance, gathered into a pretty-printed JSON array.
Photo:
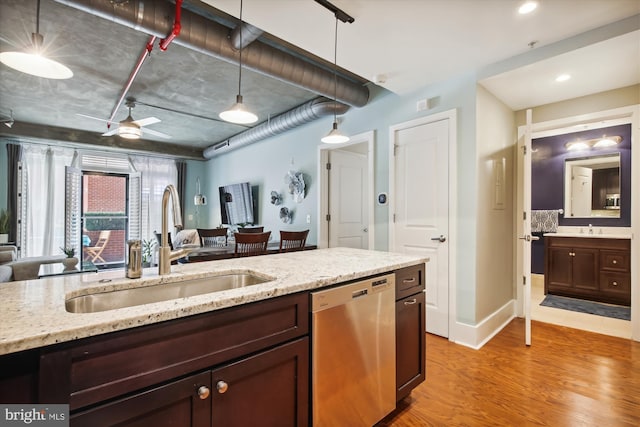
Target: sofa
[{"x": 12, "y": 268}]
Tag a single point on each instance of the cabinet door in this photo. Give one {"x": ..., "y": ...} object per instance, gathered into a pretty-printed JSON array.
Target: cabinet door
[
  {"x": 268, "y": 389},
  {"x": 181, "y": 403},
  {"x": 410, "y": 344},
  {"x": 585, "y": 269},
  {"x": 559, "y": 268}
]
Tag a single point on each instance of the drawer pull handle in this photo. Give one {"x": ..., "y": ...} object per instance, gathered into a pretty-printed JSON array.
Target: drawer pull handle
[
  {"x": 203, "y": 392},
  {"x": 614, "y": 283},
  {"x": 411, "y": 302},
  {"x": 413, "y": 279},
  {"x": 615, "y": 261},
  {"x": 222, "y": 387}
]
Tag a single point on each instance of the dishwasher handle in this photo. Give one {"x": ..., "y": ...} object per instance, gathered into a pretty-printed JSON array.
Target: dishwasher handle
[{"x": 359, "y": 293}]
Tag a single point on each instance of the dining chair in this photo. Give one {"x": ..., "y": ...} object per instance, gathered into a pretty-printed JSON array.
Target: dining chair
[
  {"x": 251, "y": 230},
  {"x": 209, "y": 236},
  {"x": 292, "y": 240},
  {"x": 94, "y": 252},
  {"x": 250, "y": 244}
]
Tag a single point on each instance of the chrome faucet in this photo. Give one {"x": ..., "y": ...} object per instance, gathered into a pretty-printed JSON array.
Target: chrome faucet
[{"x": 165, "y": 253}]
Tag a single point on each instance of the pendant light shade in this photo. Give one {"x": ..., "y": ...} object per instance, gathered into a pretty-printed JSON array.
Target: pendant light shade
[
  {"x": 334, "y": 136},
  {"x": 32, "y": 61},
  {"x": 238, "y": 112}
]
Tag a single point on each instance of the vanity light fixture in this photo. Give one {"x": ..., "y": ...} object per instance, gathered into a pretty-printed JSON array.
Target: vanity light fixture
[
  {"x": 33, "y": 62},
  {"x": 334, "y": 136},
  {"x": 238, "y": 113},
  {"x": 605, "y": 141},
  {"x": 527, "y": 7}
]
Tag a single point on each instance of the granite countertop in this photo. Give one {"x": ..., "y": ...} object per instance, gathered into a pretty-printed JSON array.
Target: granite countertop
[{"x": 33, "y": 312}]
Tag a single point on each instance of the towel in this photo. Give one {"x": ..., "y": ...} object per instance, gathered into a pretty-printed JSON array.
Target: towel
[{"x": 544, "y": 221}]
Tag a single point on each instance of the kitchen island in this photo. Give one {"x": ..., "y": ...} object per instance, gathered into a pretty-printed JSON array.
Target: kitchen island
[{"x": 101, "y": 361}]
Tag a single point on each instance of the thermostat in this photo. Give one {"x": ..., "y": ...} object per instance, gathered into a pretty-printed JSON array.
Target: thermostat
[{"x": 382, "y": 198}]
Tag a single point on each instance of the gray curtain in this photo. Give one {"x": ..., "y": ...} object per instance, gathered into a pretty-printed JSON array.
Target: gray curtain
[
  {"x": 181, "y": 165},
  {"x": 14, "y": 155}
]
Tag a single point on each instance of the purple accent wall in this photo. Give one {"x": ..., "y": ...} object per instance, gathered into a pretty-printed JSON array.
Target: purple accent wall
[{"x": 547, "y": 179}]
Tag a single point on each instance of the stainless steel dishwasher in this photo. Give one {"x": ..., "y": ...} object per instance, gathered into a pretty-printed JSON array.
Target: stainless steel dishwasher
[{"x": 354, "y": 353}]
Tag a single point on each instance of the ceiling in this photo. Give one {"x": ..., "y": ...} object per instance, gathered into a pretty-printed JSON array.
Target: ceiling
[{"x": 400, "y": 45}]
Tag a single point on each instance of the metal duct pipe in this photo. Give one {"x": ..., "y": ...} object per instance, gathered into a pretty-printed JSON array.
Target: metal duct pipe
[
  {"x": 305, "y": 113},
  {"x": 210, "y": 38},
  {"x": 250, "y": 33}
]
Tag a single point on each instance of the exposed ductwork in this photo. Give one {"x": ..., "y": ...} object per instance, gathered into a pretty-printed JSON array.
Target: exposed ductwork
[
  {"x": 305, "y": 113},
  {"x": 249, "y": 32},
  {"x": 211, "y": 38}
]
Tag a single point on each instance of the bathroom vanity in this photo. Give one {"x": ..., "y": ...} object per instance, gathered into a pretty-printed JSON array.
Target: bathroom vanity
[
  {"x": 223, "y": 358},
  {"x": 589, "y": 267}
]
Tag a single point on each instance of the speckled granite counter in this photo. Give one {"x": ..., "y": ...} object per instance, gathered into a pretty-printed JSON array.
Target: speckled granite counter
[{"x": 33, "y": 312}]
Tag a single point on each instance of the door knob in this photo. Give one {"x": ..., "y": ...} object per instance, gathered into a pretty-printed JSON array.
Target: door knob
[
  {"x": 440, "y": 239},
  {"x": 365, "y": 229}
]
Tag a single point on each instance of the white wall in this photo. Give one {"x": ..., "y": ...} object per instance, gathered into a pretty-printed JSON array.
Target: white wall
[{"x": 496, "y": 142}]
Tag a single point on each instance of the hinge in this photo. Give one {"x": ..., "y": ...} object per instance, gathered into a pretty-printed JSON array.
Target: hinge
[
  {"x": 524, "y": 150},
  {"x": 328, "y": 166},
  {"x": 524, "y": 280},
  {"x": 394, "y": 218},
  {"x": 524, "y": 215},
  {"x": 395, "y": 149},
  {"x": 328, "y": 217}
]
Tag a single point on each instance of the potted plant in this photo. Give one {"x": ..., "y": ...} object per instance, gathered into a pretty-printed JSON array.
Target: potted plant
[
  {"x": 147, "y": 252},
  {"x": 70, "y": 261},
  {"x": 5, "y": 225}
]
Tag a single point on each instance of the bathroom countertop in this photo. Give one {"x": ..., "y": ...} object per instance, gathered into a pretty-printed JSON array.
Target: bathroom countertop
[
  {"x": 590, "y": 236},
  {"x": 34, "y": 315}
]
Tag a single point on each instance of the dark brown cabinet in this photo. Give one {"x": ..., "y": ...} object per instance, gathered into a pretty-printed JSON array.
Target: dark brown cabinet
[
  {"x": 590, "y": 268},
  {"x": 410, "y": 330}
]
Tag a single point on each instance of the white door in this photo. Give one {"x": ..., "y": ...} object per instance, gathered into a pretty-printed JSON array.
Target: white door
[
  {"x": 524, "y": 145},
  {"x": 421, "y": 210},
  {"x": 349, "y": 216},
  {"x": 581, "y": 194}
]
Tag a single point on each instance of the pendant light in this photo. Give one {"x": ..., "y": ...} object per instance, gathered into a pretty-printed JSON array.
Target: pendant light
[
  {"x": 238, "y": 113},
  {"x": 334, "y": 136},
  {"x": 33, "y": 62}
]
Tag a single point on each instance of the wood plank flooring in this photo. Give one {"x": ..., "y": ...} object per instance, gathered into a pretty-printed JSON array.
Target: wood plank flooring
[{"x": 567, "y": 377}]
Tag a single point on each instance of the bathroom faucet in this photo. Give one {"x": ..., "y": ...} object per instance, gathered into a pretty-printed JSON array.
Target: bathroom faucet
[{"x": 165, "y": 253}]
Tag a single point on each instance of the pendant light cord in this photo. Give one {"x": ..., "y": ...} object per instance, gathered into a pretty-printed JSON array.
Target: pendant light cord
[
  {"x": 38, "y": 17},
  {"x": 335, "y": 74},
  {"x": 241, "y": 46}
]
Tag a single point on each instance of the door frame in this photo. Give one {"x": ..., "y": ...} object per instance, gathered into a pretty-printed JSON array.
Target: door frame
[
  {"x": 451, "y": 116},
  {"x": 367, "y": 138},
  {"x": 629, "y": 114}
]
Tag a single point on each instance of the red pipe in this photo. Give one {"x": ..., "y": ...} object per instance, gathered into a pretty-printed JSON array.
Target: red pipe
[
  {"x": 164, "y": 43},
  {"x": 134, "y": 73}
]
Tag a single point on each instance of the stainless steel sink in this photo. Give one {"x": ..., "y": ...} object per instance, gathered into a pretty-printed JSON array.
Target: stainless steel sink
[{"x": 121, "y": 298}]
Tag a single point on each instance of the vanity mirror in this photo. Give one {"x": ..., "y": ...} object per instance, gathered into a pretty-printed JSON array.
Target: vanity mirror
[{"x": 592, "y": 187}]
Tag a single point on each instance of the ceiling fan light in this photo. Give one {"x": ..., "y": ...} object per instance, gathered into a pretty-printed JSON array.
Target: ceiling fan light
[
  {"x": 238, "y": 113},
  {"x": 335, "y": 137},
  {"x": 129, "y": 131}
]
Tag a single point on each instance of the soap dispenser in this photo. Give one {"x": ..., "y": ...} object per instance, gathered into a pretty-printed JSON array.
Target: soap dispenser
[{"x": 134, "y": 259}]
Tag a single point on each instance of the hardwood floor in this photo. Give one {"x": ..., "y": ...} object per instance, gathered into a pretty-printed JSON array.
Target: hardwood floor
[{"x": 567, "y": 377}]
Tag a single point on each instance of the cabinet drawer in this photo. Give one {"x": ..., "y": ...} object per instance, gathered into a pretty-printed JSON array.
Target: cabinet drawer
[
  {"x": 614, "y": 261},
  {"x": 615, "y": 283},
  {"x": 110, "y": 365},
  {"x": 409, "y": 281}
]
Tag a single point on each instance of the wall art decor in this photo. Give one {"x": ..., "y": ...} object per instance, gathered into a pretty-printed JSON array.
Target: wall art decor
[{"x": 295, "y": 183}]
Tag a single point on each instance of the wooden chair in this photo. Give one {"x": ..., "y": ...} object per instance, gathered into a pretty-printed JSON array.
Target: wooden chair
[
  {"x": 293, "y": 240},
  {"x": 251, "y": 230},
  {"x": 94, "y": 251},
  {"x": 209, "y": 236},
  {"x": 250, "y": 244}
]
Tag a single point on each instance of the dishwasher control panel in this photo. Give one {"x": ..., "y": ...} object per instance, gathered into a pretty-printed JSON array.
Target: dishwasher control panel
[{"x": 327, "y": 298}]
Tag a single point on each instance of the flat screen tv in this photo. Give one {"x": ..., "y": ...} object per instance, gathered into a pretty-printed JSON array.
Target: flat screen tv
[{"x": 236, "y": 204}]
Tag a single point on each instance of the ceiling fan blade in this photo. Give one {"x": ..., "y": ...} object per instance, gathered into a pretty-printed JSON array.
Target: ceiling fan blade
[
  {"x": 146, "y": 122},
  {"x": 111, "y": 132},
  {"x": 91, "y": 117},
  {"x": 156, "y": 133}
]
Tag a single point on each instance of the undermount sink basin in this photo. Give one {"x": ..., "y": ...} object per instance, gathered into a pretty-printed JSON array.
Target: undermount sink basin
[{"x": 121, "y": 298}]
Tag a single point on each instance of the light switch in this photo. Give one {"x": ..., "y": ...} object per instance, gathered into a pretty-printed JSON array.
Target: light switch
[{"x": 308, "y": 218}]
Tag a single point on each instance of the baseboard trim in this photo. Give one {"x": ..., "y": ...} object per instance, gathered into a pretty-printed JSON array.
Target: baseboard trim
[{"x": 475, "y": 336}]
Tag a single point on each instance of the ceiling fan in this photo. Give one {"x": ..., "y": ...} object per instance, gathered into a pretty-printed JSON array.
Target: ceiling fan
[{"x": 129, "y": 128}]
